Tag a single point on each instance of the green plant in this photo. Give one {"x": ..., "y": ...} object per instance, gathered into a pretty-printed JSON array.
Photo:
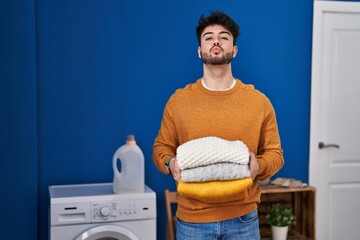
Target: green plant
[{"x": 280, "y": 216}]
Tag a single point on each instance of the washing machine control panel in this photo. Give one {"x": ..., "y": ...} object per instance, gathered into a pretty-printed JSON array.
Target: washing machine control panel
[
  {"x": 123, "y": 210},
  {"x": 103, "y": 211}
]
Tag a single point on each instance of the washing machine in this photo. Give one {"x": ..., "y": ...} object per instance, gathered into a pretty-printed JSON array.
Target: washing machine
[{"x": 93, "y": 212}]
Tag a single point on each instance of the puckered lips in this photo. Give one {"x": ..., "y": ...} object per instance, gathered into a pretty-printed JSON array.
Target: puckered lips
[{"x": 216, "y": 49}]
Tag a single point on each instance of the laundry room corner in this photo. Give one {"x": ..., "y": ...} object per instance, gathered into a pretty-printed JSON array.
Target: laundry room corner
[{"x": 78, "y": 77}]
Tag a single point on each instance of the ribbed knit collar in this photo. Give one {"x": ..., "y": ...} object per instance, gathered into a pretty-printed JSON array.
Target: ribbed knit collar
[
  {"x": 230, "y": 87},
  {"x": 201, "y": 87}
]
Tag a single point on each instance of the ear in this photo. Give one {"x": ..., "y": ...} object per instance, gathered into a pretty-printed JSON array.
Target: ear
[
  {"x": 235, "y": 51},
  {"x": 199, "y": 49}
]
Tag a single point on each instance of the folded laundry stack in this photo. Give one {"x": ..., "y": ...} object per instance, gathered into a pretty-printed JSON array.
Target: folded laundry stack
[{"x": 214, "y": 170}]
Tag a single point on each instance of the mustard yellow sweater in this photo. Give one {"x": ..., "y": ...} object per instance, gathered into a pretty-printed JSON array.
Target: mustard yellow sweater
[{"x": 241, "y": 113}]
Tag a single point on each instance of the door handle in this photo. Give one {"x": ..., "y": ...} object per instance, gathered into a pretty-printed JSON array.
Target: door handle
[{"x": 323, "y": 145}]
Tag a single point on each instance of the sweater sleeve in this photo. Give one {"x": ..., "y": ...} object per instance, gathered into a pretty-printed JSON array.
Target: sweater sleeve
[
  {"x": 166, "y": 142},
  {"x": 270, "y": 153}
]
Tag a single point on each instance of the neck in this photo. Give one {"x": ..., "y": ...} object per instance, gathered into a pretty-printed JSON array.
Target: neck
[{"x": 218, "y": 77}]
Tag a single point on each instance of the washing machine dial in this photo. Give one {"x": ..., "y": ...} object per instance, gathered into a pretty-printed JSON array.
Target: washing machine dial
[{"x": 105, "y": 211}]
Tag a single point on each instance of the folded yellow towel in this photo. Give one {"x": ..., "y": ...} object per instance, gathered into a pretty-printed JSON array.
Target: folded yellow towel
[{"x": 216, "y": 191}]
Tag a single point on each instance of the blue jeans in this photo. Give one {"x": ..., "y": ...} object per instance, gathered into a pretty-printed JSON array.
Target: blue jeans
[{"x": 241, "y": 228}]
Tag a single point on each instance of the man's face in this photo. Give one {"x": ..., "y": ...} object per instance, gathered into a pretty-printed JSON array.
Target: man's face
[{"x": 216, "y": 45}]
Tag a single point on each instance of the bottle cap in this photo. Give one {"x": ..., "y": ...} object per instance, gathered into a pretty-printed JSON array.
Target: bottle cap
[{"x": 130, "y": 139}]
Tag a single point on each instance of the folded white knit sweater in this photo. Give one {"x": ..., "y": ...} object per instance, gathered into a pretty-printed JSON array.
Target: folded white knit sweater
[
  {"x": 209, "y": 150},
  {"x": 216, "y": 172}
]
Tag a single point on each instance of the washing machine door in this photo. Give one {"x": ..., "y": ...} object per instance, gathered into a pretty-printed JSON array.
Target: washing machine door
[{"x": 107, "y": 232}]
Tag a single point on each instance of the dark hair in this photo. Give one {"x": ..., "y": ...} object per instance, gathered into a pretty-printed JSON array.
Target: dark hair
[{"x": 217, "y": 18}]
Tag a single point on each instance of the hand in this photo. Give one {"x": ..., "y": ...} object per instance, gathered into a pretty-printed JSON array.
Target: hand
[
  {"x": 175, "y": 170},
  {"x": 253, "y": 165}
]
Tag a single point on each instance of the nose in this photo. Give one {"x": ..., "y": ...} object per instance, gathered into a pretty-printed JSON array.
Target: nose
[{"x": 217, "y": 41}]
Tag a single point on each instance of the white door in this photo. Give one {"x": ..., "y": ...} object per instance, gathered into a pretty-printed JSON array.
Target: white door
[{"x": 335, "y": 119}]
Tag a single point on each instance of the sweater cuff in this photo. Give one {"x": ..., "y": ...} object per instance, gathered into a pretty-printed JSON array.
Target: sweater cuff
[
  {"x": 262, "y": 167},
  {"x": 163, "y": 167}
]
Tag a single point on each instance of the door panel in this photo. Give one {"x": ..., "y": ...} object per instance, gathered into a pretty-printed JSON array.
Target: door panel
[
  {"x": 340, "y": 211},
  {"x": 335, "y": 117}
]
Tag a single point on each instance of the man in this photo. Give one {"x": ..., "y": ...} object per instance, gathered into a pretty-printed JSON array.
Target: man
[{"x": 219, "y": 105}]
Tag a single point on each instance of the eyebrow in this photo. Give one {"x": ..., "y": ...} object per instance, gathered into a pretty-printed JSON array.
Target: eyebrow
[{"x": 222, "y": 32}]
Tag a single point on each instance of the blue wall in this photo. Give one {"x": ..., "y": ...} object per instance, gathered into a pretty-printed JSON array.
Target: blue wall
[
  {"x": 18, "y": 152},
  {"x": 78, "y": 76}
]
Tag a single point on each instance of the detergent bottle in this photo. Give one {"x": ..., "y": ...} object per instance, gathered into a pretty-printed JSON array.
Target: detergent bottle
[{"x": 131, "y": 176}]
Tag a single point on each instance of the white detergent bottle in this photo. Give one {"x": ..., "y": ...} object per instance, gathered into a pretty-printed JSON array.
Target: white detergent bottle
[{"x": 131, "y": 176}]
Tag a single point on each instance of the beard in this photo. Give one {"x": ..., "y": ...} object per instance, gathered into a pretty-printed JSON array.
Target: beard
[{"x": 216, "y": 60}]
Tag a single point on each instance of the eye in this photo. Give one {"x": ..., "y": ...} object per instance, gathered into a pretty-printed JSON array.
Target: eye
[
  {"x": 208, "y": 38},
  {"x": 225, "y": 38}
]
